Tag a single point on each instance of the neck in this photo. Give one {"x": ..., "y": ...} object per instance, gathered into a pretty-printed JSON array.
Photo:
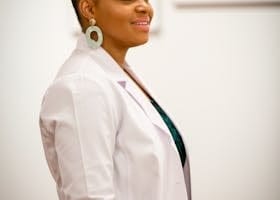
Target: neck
[{"x": 117, "y": 53}]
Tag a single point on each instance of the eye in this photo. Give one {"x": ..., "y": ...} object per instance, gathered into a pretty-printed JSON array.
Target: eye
[
  {"x": 147, "y": 1},
  {"x": 127, "y": 1}
]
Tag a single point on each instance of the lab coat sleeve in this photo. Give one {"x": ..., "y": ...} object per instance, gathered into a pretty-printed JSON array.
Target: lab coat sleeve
[{"x": 84, "y": 119}]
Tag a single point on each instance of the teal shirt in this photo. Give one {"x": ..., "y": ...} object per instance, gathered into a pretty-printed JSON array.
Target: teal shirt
[{"x": 174, "y": 132}]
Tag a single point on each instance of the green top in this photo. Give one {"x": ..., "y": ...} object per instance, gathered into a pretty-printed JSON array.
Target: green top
[{"x": 174, "y": 132}]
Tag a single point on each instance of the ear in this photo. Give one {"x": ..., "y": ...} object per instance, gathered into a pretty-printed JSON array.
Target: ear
[{"x": 86, "y": 8}]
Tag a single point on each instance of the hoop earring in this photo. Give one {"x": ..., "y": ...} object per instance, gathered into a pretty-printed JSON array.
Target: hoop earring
[{"x": 92, "y": 28}]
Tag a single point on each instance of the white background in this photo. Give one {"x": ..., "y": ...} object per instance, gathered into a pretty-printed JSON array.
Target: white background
[
  {"x": 215, "y": 70},
  {"x": 222, "y": 1}
]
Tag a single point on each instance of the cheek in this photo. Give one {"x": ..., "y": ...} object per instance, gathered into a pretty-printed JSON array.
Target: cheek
[
  {"x": 113, "y": 20},
  {"x": 116, "y": 25}
]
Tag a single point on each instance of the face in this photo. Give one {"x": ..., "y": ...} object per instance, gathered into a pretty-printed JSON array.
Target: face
[{"x": 124, "y": 23}]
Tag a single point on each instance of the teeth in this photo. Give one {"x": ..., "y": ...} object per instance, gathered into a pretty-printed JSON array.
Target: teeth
[{"x": 141, "y": 23}]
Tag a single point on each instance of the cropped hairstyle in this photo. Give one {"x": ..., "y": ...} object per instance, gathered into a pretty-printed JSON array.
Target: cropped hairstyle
[{"x": 75, "y": 5}]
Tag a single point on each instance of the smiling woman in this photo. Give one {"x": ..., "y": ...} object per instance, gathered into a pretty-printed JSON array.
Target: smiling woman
[{"x": 104, "y": 135}]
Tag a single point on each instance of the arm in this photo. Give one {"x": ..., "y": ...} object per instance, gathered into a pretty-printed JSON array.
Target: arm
[{"x": 84, "y": 138}]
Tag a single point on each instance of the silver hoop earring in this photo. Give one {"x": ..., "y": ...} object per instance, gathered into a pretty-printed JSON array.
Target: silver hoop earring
[{"x": 92, "y": 28}]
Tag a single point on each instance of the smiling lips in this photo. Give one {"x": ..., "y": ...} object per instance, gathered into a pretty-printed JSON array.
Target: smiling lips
[{"x": 142, "y": 24}]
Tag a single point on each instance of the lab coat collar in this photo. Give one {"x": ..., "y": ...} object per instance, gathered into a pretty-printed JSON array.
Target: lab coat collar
[
  {"x": 114, "y": 71},
  {"x": 104, "y": 59}
]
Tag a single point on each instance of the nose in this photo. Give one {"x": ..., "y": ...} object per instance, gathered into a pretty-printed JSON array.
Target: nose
[{"x": 143, "y": 6}]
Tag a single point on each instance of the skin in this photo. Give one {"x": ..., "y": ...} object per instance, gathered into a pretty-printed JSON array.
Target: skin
[{"x": 124, "y": 23}]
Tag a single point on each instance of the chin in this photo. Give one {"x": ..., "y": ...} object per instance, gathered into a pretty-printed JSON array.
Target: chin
[{"x": 140, "y": 41}]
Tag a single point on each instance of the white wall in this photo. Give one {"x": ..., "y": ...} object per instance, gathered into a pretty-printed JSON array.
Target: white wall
[{"x": 216, "y": 71}]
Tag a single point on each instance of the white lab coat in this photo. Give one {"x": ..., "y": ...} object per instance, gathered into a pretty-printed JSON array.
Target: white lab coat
[{"x": 103, "y": 139}]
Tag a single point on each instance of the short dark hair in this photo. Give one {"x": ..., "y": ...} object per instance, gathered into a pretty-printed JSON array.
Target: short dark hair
[{"x": 75, "y": 5}]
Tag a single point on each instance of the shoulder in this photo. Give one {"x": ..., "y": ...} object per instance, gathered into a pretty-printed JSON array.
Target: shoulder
[
  {"x": 80, "y": 81},
  {"x": 79, "y": 97},
  {"x": 66, "y": 89},
  {"x": 81, "y": 74},
  {"x": 80, "y": 64}
]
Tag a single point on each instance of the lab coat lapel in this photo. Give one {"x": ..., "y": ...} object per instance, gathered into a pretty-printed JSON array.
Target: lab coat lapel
[
  {"x": 145, "y": 105},
  {"x": 187, "y": 173}
]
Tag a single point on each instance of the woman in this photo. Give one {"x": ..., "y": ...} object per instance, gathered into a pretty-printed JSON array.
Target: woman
[{"x": 104, "y": 135}]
